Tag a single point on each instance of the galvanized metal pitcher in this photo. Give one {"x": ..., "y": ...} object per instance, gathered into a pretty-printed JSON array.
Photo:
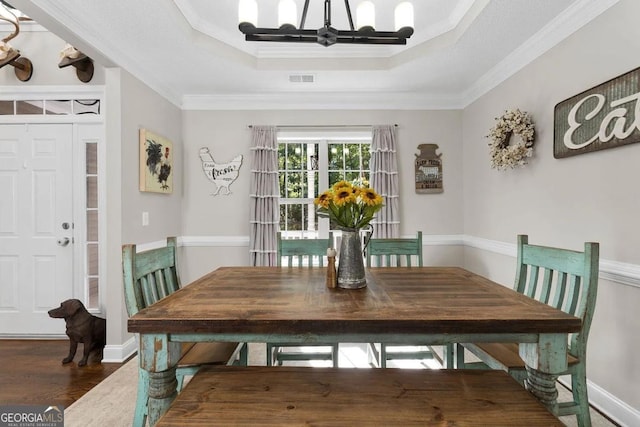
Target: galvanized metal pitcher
[{"x": 350, "y": 261}]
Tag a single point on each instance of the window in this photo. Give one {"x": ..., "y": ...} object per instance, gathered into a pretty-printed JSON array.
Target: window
[
  {"x": 92, "y": 222},
  {"x": 308, "y": 165}
]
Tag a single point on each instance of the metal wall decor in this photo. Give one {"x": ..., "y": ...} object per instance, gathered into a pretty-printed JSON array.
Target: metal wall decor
[
  {"x": 428, "y": 170},
  {"x": 221, "y": 174},
  {"x": 605, "y": 116}
]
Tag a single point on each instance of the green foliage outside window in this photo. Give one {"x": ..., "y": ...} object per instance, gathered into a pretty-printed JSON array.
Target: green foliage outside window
[{"x": 299, "y": 180}]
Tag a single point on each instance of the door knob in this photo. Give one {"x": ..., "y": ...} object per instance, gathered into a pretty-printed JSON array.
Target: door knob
[{"x": 63, "y": 242}]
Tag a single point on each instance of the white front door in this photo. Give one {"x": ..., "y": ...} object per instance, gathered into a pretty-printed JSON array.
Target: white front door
[{"x": 36, "y": 226}]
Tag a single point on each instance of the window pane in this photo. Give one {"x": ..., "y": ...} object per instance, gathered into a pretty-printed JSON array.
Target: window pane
[
  {"x": 29, "y": 107},
  {"x": 92, "y": 192},
  {"x": 91, "y": 151},
  {"x": 351, "y": 176},
  {"x": 86, "y": 106},
  {"x": 92, "y": 259},
  {"x": 282, "y": 157},
  {"x": 366, "y": 156},
  {"x": 6, "y": 108},
  {"x": 57, "y": 107},
  {"x": 92, "y": 226},
  {"x": 93, "y": 293},
  {"x": 296, "y": 185},
  {"x": 335, "y": 156},
  {"x": 295, "y": 217},
  {"x": 335, "y": 177},
  {"x": 295, "y": 156},
  {"x": 283, "y": 217}
]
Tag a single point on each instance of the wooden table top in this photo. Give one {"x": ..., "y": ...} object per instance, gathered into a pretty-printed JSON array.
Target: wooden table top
[{"x": 418, "y": 300}]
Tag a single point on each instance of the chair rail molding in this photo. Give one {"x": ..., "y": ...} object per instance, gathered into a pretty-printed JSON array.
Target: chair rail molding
[{"x": 614, "y": 271}]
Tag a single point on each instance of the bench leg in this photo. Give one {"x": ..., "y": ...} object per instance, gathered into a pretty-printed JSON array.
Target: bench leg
[{"x": 162, "y": 391}]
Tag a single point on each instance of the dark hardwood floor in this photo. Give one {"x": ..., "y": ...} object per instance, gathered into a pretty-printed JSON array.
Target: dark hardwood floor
[{"x": 32, "y": 373}]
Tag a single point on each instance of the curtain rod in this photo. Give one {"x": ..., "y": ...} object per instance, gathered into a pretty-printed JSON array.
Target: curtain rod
[{"x": 320, "y": 126}]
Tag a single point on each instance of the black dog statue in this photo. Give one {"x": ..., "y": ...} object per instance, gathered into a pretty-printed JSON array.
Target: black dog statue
[{"x": 83, "y": 327}]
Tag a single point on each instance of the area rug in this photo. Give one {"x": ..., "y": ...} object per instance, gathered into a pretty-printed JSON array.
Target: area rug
[{"x": 110, "y": 403}]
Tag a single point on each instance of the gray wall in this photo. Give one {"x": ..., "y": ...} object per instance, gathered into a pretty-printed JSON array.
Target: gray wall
[
  {"x": 565, "y": 202},
  {"x": 226, "y": 134},
  {"x": 133, "y": 106}
]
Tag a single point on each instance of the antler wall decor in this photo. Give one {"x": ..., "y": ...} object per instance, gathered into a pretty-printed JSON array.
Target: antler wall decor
[
  {"x": 8, "y": 55},
  {"x": 69, "y": 55}
]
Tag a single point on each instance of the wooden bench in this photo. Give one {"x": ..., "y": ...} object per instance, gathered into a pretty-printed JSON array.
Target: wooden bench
[{"x": 256, "y": 395}]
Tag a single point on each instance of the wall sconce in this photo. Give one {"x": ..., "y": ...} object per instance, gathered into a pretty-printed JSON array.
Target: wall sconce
[
  {"x": 8, "y": 55},
  {"x": 81, "y": 62}
]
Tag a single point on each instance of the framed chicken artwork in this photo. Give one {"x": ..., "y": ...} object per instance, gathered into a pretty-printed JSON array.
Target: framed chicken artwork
[{"x": 156, "y": 163}]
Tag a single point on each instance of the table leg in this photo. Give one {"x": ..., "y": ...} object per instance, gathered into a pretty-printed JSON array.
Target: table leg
[
  {"x": 545, "y": 361},
  {"x": 162, "y": 391},
  {"x": 543, "y": 386}
]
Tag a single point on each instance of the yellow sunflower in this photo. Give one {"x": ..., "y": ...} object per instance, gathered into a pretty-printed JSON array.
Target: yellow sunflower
[
  {"x": 370, "y": 197},
  {"x": 342, "y": 184},
  {"x": 324, "y": 199},
  {"x": 344, "y": 195}
]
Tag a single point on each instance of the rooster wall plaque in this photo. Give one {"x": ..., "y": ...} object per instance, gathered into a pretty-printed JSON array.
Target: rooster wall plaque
[{"x": 221, "y": 174}]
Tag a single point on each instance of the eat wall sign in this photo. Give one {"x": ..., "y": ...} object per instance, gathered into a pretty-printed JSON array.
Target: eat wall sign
[{"x": 602, "y": 117}]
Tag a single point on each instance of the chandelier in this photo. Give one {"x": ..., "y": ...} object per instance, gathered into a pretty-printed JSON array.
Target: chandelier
[{"x": 327, "y": 35}]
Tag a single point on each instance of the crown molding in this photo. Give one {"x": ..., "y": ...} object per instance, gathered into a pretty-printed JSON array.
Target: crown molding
[
  {"x": 322, "y": 101},
  {"x": 571, "y": 20}
]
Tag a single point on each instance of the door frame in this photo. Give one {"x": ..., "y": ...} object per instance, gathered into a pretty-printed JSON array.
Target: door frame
[{"x": 85, "y": 127}]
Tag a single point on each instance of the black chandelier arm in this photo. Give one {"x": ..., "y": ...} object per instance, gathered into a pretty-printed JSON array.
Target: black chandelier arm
[
  {"x": 349, "y": 16},
  {"x": 326, "y": 35},
  {"x": 284, "y": 34}
]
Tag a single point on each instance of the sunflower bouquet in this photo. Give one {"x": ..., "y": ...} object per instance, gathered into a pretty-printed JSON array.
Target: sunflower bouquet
[{"x": 349, "y": 206}]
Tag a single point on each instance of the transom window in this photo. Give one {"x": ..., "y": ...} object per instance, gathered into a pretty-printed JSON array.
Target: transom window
[{"x": 307, "y": 166}]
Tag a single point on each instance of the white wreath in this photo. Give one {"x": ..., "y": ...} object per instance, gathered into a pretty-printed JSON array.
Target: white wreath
[{"x": 503, "y": 155}]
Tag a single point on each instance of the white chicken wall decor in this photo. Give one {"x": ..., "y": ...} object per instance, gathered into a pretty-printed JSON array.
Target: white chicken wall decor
[{"x": 221, "y": 174}]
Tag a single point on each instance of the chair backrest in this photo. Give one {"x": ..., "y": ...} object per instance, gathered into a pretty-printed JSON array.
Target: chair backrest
[
  {"x": 562, "y": 278},
  {"x": 394, "y": 252},
  {"x": 149, "y": 275},
  {"x": 303, "y": 251}
]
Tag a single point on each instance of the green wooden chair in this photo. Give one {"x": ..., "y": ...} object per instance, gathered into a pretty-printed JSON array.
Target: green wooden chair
[
  {"x": 567, "y": 280},
  {"x": 148, "y": 277},
  {"x": 302, "y": 253},
  {"x": 405, "y": 252}
]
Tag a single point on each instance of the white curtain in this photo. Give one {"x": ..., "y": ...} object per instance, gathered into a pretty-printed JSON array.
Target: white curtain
[
  {"x": 264, "y": 196},
  {"x": 384, "y": 179}
]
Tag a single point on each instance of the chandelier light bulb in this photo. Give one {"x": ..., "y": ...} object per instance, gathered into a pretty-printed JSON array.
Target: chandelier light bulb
[
  {"x": 287, "y": 13},
  {"x": 248, "y": 12},
  {"x": 366, "y": 16},
  {"x": 404, "y": 15}
]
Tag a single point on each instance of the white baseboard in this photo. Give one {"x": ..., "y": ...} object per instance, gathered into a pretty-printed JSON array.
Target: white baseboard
[
  {"x": 608, "y": 404},
  {"x": 612, "y": 407},
  {"x": 120, "y": 353}
]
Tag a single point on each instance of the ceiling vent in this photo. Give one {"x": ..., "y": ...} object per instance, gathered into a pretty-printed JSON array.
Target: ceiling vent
[{"x": 302, "y": 78}]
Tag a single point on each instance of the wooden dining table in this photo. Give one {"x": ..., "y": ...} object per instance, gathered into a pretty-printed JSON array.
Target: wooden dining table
[{"x": 426, "y": 305}]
